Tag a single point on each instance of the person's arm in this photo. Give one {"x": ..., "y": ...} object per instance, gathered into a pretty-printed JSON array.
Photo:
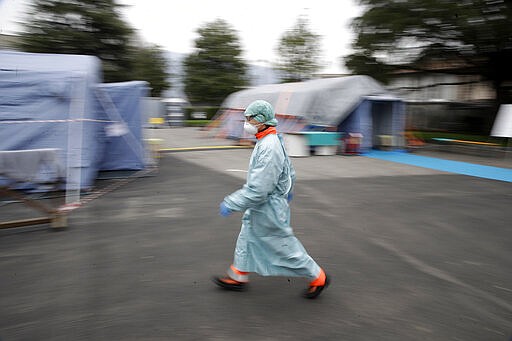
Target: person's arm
[{"x": 261, "y": 181}]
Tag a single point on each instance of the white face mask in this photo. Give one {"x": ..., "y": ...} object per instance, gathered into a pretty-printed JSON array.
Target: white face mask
[{"x": 250, "y": 129}]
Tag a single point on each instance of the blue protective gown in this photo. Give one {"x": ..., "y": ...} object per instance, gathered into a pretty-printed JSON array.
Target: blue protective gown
[{"x": 266, "y": 243}]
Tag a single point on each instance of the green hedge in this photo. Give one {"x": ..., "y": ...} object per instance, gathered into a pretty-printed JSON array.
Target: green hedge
[{"x": 196, "y": 123}]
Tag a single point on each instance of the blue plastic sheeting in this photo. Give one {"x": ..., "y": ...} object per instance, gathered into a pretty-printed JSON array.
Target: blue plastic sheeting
[
  {"x": 465, "y": 168},
  {"x": 51, "y": 101},
  {"x": 38, "y": 88},
  {"x": 375, "y": 116},
  {"x": 121, "y": 102},
  {"x": 42, "y": 109},
  {"x": 88, "y": 66}
]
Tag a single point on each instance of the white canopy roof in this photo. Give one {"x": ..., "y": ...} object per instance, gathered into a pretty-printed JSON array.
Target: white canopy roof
[{"x": 320, "y": 101}]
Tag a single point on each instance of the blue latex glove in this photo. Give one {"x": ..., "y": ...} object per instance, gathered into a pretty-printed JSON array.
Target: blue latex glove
[
  {"x": 290, "y": 196},
  {"x": 224, "y": 210}
]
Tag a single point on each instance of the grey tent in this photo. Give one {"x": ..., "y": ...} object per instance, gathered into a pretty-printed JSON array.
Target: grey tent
[{"x": 353, "y": 104}]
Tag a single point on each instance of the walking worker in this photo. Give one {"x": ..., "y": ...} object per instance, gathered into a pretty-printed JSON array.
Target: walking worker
[{"x": 266, "y": 244}]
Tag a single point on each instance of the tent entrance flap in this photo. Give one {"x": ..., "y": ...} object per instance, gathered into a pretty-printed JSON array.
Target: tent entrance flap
[{"x": 382, "y": 123}]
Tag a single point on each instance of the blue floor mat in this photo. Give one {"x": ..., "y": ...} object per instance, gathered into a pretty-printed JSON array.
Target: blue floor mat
[{"x": 471, "y": 169}]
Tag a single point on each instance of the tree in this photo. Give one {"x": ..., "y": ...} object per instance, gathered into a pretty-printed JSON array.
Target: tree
[
  {"x": 299, "y": 51},
  {"x": 395, "y": 34},
  {"x": 215, "y": 69},
  {"x": 150, "y": 64},
  {"x": 92, "y": 27}
]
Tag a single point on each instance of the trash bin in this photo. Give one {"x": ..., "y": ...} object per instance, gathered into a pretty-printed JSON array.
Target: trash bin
[{"x": 352, "y": 143}]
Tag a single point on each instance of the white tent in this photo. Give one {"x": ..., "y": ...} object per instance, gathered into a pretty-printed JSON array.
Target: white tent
[{"x": 354, "y": 104}]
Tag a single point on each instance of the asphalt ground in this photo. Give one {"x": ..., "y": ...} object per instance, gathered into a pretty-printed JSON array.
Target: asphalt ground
[{"x": 414, "y": 254}]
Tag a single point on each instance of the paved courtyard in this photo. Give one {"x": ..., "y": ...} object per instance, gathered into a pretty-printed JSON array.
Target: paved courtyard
[{"x": 415, "y": 254}]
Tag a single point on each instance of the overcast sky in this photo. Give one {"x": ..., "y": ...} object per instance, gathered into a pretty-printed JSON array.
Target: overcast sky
[{"x": 260, "y": 24}]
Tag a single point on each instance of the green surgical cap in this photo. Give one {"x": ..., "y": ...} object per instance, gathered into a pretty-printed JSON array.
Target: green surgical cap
[{"x": 261, "y": 111}]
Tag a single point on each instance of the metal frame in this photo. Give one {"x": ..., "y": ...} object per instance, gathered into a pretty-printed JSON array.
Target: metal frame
[{"x": 56, "y": 218}]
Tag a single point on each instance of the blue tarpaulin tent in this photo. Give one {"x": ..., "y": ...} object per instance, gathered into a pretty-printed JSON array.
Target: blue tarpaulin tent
[
  {"x": 46, "y": 102},
  {"x": 121, "y": 103},
  {"x": 50, "y": 101}
]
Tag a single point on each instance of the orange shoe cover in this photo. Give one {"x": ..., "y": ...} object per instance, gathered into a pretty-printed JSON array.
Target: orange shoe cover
[{"x": 319, "y": 281}]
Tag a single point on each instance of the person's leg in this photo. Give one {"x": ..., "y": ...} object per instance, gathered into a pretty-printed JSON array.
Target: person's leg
[
  {"x": 305, "y": 266},
  {"x": 235, "y": 279},
  {"x": 317, "y": 285},
  {"x": 237, "y": 275}
]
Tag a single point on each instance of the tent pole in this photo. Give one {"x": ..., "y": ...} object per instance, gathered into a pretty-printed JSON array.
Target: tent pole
[{"x": 75, "y": 141}]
